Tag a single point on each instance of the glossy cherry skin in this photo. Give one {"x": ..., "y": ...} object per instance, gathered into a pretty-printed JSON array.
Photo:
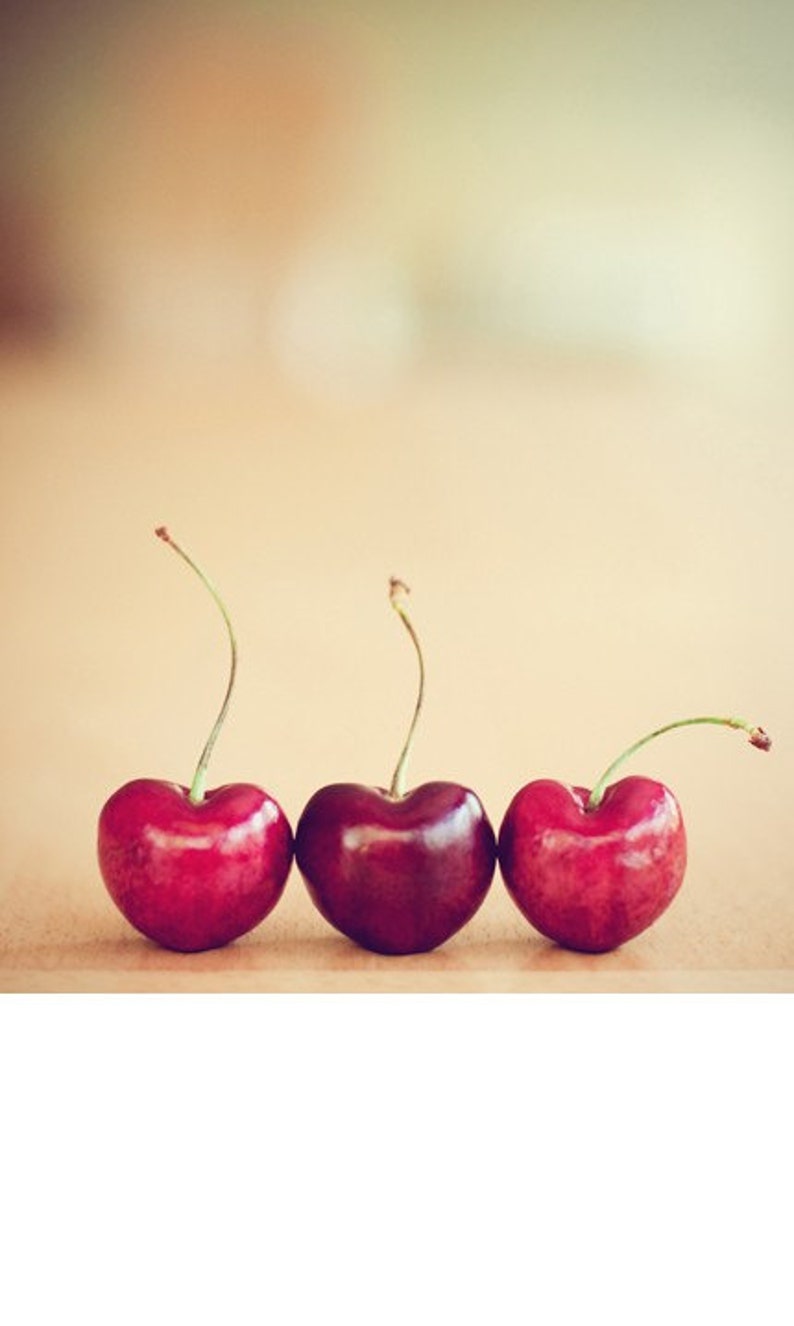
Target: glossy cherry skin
[
  {"x": 396, "y": 874},
  {"x": 193, "y": 877},
  {"x": 591, "y": 880}
]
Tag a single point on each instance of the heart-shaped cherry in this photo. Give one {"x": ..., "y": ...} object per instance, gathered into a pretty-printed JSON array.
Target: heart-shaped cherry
[
  {"x": 397, "y": 872},
  {"x": 592, "y": 869},
  {"x": 194, "y": 869}
]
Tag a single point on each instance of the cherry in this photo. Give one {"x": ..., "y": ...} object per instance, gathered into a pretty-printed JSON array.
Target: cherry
[
  {"x": 396, "y": 871},
  {"x": 194, "y": 869},
  {"x": 592, "y": 869}
]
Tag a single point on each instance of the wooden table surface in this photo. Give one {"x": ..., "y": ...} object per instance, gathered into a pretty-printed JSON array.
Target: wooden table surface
[{"x": 594, "y": 549}]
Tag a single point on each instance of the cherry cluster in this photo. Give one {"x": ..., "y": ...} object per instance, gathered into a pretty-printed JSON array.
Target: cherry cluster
[{"x": 398, "y": 871}]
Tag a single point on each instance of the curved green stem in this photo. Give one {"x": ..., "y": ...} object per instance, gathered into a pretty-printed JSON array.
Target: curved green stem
[
  {"x": 198, "y": 785},
  {"x": 758, "y": 737},
  {"x": 396, "y": 590}
]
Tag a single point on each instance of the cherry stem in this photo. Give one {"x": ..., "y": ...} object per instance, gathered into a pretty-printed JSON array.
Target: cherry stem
[
  {"x": 197, "y": 787},
  {"x": 396, "y": 590},
  {"x": 758, "y": 737}
]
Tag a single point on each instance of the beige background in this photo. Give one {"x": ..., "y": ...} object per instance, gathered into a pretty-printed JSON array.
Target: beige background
[{"x": 332, "y": 316}]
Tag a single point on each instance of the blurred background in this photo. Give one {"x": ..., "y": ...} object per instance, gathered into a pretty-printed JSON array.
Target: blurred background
[
  {"x": 499, "y": 299},
  {"x": 342, "y": 186}
]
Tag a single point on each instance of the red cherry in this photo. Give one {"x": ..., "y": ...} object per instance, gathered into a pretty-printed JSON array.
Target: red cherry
[
  {"x": 397, "y": 871},
  {"x": 591, "y": 870},
  {"x": 396, "y": 875},
  {"x": 193, "y": 869},
  {"x": 591, "y": 880},
  {"x": 193, "y": 876}
]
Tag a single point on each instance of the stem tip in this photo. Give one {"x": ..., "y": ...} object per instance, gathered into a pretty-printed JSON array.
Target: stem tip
[
  {"x": 397, "y": 588},
  {"x": 760, "y": 738}
]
